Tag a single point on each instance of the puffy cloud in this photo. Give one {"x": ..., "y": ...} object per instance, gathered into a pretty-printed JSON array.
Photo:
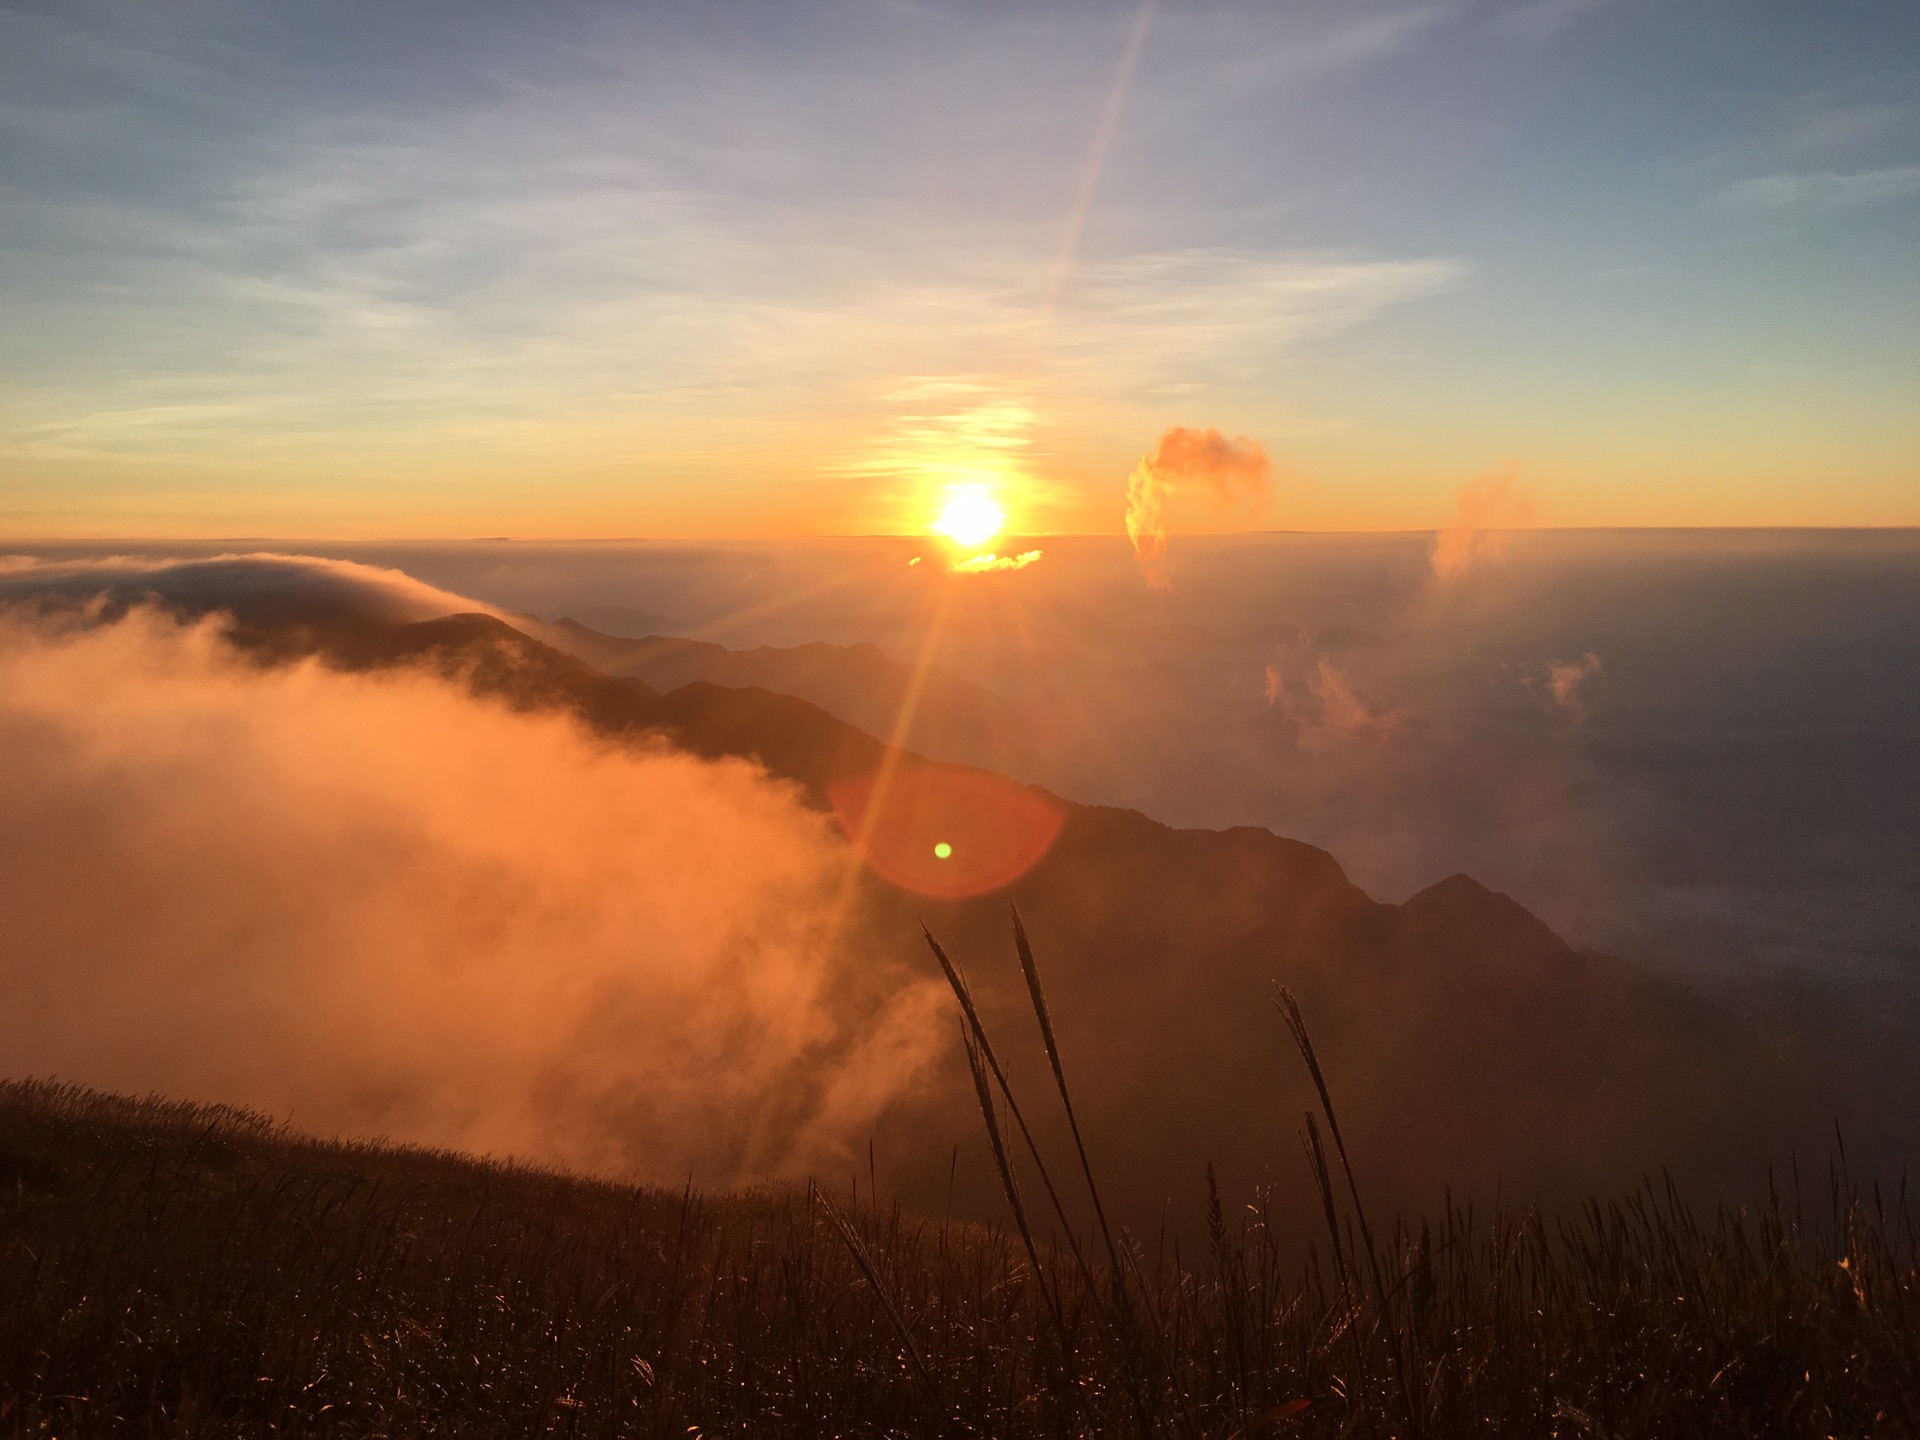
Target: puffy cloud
[
  {"x": 1330, "y": 713},
  {"x": 1564, "y": 679},
  {"x": 1487, "y": 506},
  {"x": 1187, "y": 459}
]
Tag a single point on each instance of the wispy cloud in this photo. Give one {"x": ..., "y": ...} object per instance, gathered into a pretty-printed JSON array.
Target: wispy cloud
[
  {"x": 1824, "y": 127},
  {"x": 1236, "y": 50},
  {"x": 1371, "y": 38},
  {"x": 1822, "y": 189},
  {"x": 1486, "y": 512},
  {"x": 1544, "y": 19},
  {"x": 1564, "y": 679},
  {"x": 596, "y": 243},
  {"x": 1225, "y": 313},
  {"x": 1148, "y": 325},
  {"x": 527, "y": 258}
]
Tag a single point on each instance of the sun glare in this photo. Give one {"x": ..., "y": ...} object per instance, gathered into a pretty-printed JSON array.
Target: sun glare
[{"x": 971, "y": 518}]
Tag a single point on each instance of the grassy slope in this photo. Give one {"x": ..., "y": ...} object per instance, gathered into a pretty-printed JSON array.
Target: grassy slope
[{"x": 182, "y": 1270}]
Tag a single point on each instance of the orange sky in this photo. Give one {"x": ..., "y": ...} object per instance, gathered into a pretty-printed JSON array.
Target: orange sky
[{"x": 575, "y": 275}]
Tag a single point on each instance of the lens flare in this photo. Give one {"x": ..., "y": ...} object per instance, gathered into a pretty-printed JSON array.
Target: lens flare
[
  {"x": 945, "y": 831},
  {"x": 971, "y": 518}
]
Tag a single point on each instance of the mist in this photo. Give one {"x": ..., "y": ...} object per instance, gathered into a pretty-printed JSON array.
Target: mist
[
  {"x": 1693, "y": 749},
  {"x": 373, "y": 904},
  {"x": 1695, "y": 752}
]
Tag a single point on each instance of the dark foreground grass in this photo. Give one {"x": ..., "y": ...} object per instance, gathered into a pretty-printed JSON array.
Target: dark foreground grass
[{"x": 171, "y": 1269}]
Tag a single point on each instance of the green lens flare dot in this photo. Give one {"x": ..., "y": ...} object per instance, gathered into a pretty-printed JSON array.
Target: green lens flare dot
[{"x": 942, "y": 850}]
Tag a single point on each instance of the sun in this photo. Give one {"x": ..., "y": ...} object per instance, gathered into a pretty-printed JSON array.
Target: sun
[{"x": 971, "y": 518}]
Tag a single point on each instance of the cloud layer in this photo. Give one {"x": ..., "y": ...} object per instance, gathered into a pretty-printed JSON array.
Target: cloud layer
[
  {"x": 377, "y": 905},
  {"x": 259, "y": 588}
]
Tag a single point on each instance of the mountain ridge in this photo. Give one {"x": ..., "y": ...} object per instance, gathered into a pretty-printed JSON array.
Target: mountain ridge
[{"x": 1465, "y": 1038}]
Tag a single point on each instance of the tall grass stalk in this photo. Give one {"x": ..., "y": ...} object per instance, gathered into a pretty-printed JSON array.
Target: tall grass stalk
[{"x": 171, "y": 1269}]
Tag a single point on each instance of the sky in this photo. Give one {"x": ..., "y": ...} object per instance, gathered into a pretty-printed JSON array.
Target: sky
[{"x": 729, "y": 270}]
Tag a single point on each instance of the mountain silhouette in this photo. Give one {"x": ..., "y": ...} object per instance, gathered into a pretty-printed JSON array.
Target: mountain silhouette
[
  {"x": 944, "y": 716},
  {"x": 1466, "y": 1042}
]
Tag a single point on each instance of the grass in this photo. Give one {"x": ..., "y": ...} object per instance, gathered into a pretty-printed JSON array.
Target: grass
[{"x": 171, "y": 1269}]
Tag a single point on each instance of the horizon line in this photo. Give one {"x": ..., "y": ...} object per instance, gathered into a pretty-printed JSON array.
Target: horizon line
[{"x": 910, "y": 536}]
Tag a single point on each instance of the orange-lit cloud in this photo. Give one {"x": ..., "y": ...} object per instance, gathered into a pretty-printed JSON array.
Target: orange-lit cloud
[
  {"x": 1330, "y": 713},
  {"x": 1187, "y": 459},
  {"x": 983, "y": 564},
  {"x": 1564, "y": 679},
  {"x": 1487, "y": 507},
  {"x": 253, "y": 585},
  {"x": 382, "y": 906}
]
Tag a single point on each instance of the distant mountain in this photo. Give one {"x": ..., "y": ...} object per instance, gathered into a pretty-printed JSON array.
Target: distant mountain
[
  {"x": 933, "y": 710},
  {"x": 1464, "y": 1040},
  {"x": 617, "y": 621}
]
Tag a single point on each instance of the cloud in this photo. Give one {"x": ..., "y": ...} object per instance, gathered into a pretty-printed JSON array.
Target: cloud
[
  {"x": 1173, "y": 315},
  {"x": 1822, "y": 190},
  {"x": 625, "y": 238},
  {"x": 1544, "y": 19},
  {"x": 1486, "y": 506},
  {"x": 949, "y": 431},
  {"x": 1331, "y": 713},
  {"x": 1564, "y": 679},
  {"x": 1187, "y": 459},
  {"x": 1155, "y": 323},
  {"x": 258, "y": 588},
  {"x": 1274, "y": 687},
  {"x": 380, "y": 906},
  {"x": 1356, "y": 40},
  {"x": 982, "y": 564},
  {"x": 1820, "y": 126}
]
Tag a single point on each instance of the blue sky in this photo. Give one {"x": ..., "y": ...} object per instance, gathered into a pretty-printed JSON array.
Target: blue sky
[{"x": 739, "y": 269}]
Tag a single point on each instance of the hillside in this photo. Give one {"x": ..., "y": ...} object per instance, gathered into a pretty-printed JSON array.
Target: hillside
[
  {"x": 945, "y": 716},
  {"x": 1470, "y": 1040},
  {"x": 192, "y": 1271}
]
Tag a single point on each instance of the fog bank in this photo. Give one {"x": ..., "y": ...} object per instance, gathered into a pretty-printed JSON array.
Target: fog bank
[{"x": 375, "y": 904}]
